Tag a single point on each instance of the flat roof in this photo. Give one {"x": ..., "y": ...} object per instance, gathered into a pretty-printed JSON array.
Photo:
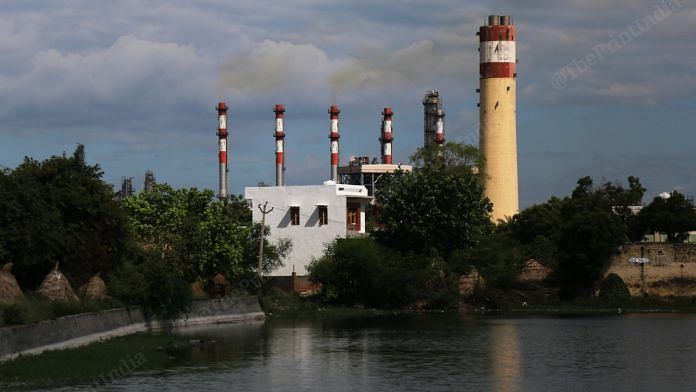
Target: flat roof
[{"x": 373, "y": 168}]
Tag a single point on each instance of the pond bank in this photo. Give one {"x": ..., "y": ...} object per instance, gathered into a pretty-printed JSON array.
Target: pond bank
[{"x": 82, "y": 329}]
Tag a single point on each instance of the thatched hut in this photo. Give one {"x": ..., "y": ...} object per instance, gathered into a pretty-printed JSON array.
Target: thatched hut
[
  {"x": 219, "y": 286},
  {"x": 56, "y": 287},
  {"x": 471, "y": 282},
  {"x": 534, "y": 272},
  {"x": 10, "y": 292},
  {"x": 94, "y": 289}
]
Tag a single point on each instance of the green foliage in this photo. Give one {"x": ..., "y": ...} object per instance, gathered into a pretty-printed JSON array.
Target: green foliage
[
  {"x": 674, "y": 216},
  {"x": 128, "y": 284},
  {"x": 497, "y": 257},
  {"x": 35, "y": 308},
  {"x": 152, "y": 284},
  {"x": 614, "y": 289},
  {"x": 60, "y": 210},
  {"x": 360, "y": 271},
  {"x": 95, "y": 365},
  {"x": 198, "y": 236},
  {"x": 590, "y": 235},
  {"x": 438, "y": 207},
  {"x": 12, "y": 315},
  {"x": 579, "y": 234}
]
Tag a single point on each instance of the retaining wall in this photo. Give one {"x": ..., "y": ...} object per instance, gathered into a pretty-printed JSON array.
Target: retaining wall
[
  {"x": 670, "y": 272},
  {"x": 80, "y": 329}
]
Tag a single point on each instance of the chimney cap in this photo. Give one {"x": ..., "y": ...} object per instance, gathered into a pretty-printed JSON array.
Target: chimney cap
[{"x": 221, "y": 106}]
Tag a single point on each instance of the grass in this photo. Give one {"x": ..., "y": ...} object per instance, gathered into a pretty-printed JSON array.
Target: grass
[
  {"x": 278, "y": 303},
  {"x": 95, "y": 364},
  {"x": 35, "y": 308}
]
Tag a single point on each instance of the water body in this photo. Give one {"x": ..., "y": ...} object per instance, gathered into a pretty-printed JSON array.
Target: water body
[{"x": 436, "y": 353}]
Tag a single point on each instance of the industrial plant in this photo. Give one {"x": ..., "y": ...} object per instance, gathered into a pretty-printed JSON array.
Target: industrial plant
[{"x": 313, "y": 215}]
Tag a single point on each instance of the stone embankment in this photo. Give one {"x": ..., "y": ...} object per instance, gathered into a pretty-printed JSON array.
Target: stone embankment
[{"x": 81, "y": 329}]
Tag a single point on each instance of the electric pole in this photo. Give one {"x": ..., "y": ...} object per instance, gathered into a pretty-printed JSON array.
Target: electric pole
[{"x": 264, "y": 211}]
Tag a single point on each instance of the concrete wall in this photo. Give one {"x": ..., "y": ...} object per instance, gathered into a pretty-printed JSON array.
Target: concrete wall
[
  {"x": 294, "y": 284},
  {"x": 309, "y": 239},
  {"x": 671, "y": 270},
  {"x": 81, "y": 329}
]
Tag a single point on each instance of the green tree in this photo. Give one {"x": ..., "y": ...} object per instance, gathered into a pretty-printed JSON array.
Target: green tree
[
  {"x": 59, "y": 210},
  {"x": 437, "y": 207},
  {"x": 360, "y": 271},
  {"x": 590, "y": 234},
  {"x": 197, "y": 235},
  {"x": 674, "y": 216}
]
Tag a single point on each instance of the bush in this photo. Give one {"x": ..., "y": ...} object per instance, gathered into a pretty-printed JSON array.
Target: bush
[
  {"x": 359, "y": 271},
  {"x": 152, "y": 285},
  {"x": 614, "y": 289},
  {"x": 12, "y": 315}
]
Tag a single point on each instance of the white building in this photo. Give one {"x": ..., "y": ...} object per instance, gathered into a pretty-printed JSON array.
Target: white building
[{"x": 310, "y": 216}]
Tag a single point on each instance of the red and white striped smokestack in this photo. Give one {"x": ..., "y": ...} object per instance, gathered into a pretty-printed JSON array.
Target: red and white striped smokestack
[
  {"x": 334, "y": 136},
  {"x": 387, "y": 136},
  {"x": 222, "y": 148},
  {"x": 440, "y": 128},
  {"x": 280, "y": 144}
]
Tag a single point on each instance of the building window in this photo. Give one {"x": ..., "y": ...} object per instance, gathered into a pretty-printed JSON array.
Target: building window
[
  {"x": 323, "y": 215},
  {"x": 294, "y": 216},
  {"x": 353, "y": 217}
]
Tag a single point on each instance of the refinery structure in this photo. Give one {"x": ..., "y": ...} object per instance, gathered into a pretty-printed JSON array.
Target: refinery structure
[{"x": 311, "y": 216}]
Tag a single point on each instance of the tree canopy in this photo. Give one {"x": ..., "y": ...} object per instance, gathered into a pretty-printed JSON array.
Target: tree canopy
[
  {"x": 439, "y": 206},
  {"x": 674, "y": 216},
  {"x": 60, "y": 210}
]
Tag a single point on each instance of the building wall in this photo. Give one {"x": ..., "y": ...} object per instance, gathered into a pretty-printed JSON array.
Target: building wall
[
  {"x": 671, "y": 270},
  {"x": 309, "y": 239}
]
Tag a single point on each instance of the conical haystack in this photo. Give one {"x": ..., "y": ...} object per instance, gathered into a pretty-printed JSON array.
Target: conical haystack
[
  {"x": 10, "y": 292},
  {"x": 219, "y": 286},
  {"x": 56, "y": 287},
  {"x": 94, "y": 289}
]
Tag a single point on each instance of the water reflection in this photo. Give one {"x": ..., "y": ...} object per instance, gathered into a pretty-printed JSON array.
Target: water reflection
[
  {"x": 505, "y": 354},
  {"x": 435, "y": 353}
]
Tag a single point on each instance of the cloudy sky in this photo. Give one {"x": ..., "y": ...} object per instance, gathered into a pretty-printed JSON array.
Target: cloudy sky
[{"x": 606, "y": 88}]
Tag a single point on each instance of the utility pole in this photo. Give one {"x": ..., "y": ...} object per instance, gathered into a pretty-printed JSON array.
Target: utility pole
[
  {"x": 264, "y": 211},
  {"x": 642, "y": 270}
]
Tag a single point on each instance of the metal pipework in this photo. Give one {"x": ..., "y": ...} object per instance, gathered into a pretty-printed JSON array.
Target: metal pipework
[
  {"x": 387, "y": 135},
  {"x": 222, "y": 149},
  {"x": 334, "y": 136},
  {"x": 432, "y": 104},
  {"x": 280, "y": 144}
]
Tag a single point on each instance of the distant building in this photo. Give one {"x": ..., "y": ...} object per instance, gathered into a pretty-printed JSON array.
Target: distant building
[
  {"x": 360, "y": 171},
  {"x": 310, "y": 216}
]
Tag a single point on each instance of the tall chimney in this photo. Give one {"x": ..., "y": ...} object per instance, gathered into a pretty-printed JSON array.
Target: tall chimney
[
  {"x": 387, "y": 136},
  {"x": 334, "y": 136},
  {"x": 280, "y": 144},
  {"x": 497, "y": 113},
  {"x": 222, "y": 148}
]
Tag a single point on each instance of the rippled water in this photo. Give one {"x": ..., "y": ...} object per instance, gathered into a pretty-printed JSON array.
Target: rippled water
[{"x": 437, "y": 353}]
